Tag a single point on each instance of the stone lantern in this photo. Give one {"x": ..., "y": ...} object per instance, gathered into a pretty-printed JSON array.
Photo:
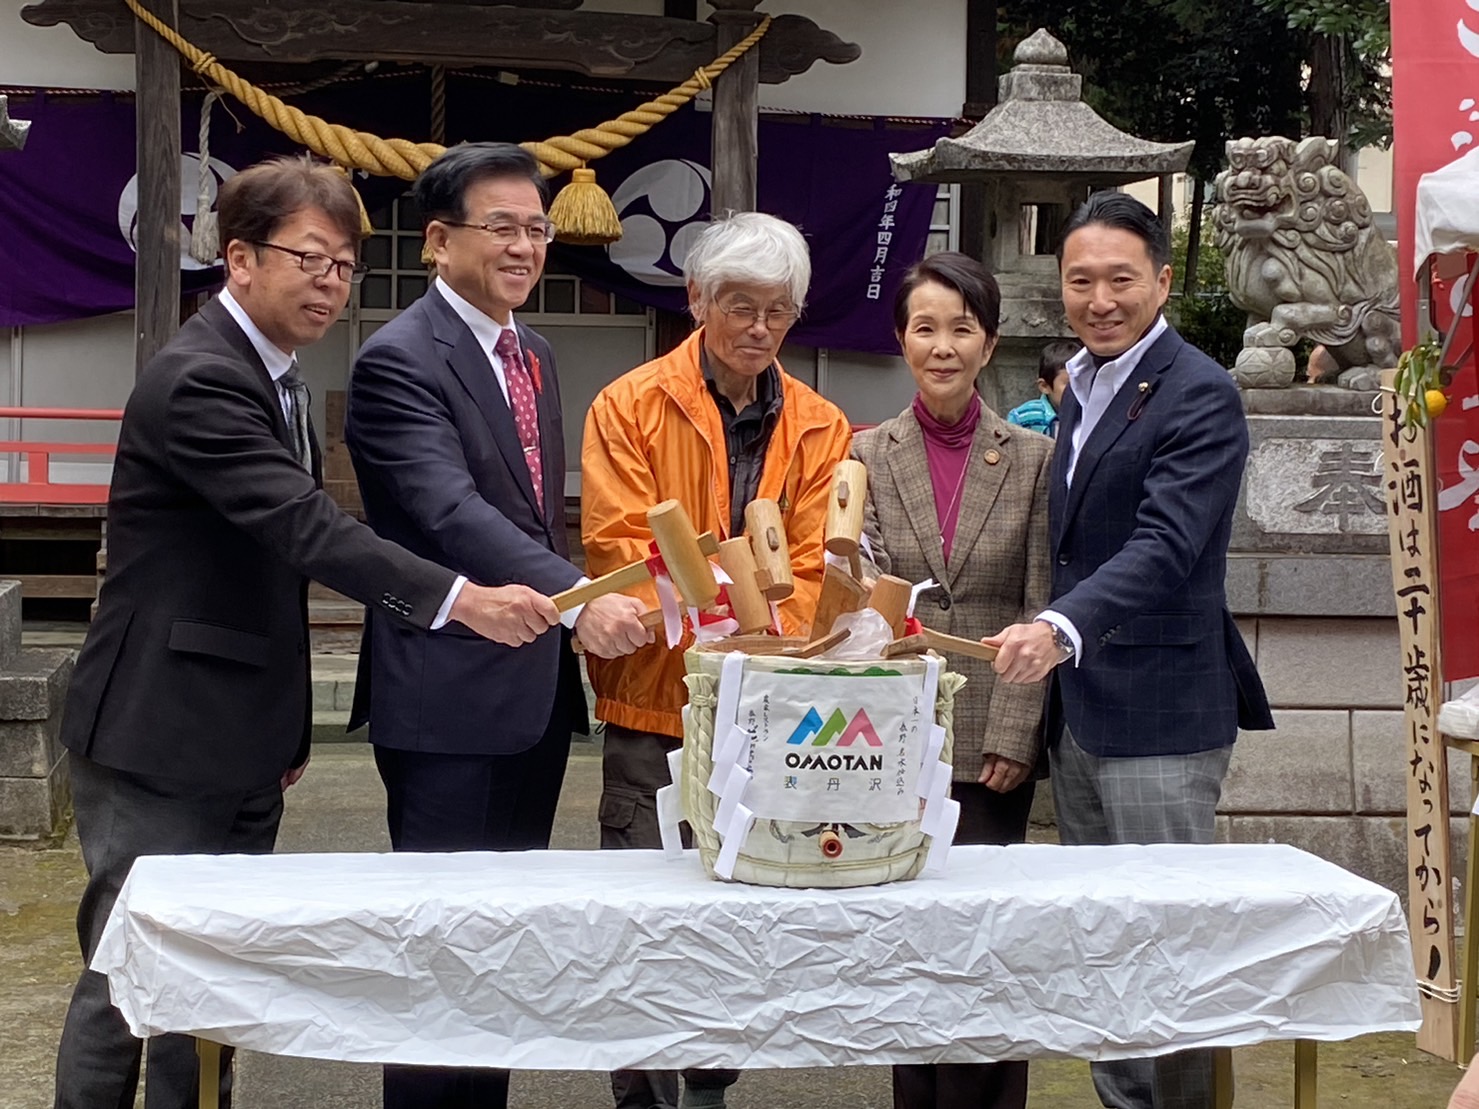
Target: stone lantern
[{"x": 1039, "y": 154}]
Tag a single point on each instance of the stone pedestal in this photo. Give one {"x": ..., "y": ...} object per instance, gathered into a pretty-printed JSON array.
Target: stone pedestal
[
  {"x": 34, "y": 790},
  {"x": 1310, "y": 583}
]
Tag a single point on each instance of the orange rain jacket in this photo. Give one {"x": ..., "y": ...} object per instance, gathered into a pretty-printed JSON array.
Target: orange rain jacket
[{"x": 655, "y": 433}]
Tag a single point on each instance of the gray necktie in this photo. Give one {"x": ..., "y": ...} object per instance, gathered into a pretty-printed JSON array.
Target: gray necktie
[{"x": 297, "y": 414}]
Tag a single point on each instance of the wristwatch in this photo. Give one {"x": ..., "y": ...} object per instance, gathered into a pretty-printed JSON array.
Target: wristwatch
[{"x": 1060, "y": 640}]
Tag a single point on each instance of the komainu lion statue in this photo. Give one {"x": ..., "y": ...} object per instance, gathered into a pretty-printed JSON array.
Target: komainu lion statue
[{"x": 1305, "y": 261}]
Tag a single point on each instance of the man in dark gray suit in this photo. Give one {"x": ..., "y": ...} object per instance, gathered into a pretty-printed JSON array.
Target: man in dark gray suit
[
  {"x": 454, "y": 426},
  {"x": 189, "y": 714},
  {"x": 1152, "y": 678}
]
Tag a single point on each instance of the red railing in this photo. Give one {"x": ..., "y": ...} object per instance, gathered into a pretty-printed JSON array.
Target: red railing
[{"x": 38, "y": 488}]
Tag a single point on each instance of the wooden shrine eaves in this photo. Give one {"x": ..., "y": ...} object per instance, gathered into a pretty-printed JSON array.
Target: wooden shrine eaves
[{"x": 444, "y": 32}]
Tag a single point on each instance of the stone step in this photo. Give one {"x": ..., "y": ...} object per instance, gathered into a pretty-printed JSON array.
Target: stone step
[
  {"x": 335, "y": 623},
  {"x": 333, "y": 696}
]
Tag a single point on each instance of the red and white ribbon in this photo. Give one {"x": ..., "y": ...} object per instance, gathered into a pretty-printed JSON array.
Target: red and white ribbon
[
  {"x": 667, "y": 597},
  {"x": 710, "y": 627}
]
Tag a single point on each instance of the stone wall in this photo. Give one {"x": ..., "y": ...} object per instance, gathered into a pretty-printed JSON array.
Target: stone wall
[
  {"x": 34, "y": 790},
  {"x": 1332, "y": 778},
  {"x": 1310, "y": 582}
]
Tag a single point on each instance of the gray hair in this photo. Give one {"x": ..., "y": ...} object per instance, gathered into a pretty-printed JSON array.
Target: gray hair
[{"x": 749, "y": 248}]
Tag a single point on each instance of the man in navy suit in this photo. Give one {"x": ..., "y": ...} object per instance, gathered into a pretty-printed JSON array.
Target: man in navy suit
[
  {"x": 454, "y": 428},
  {"x": 1152, "y": 679}
]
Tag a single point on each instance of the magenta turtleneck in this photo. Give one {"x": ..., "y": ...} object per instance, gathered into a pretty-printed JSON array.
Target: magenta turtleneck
[{"x": 947, "y": 447}]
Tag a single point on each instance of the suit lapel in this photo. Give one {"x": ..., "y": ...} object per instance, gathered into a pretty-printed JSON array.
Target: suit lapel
[
  {"x": 1135, "y": 392},
  {"x": 1069, "y": 414},
  {"x": 472, "y": 367},
  {"x": 910, "y": 469},
  {"x": 215, "y": 314},
  {"x": 982, "y": 485}
]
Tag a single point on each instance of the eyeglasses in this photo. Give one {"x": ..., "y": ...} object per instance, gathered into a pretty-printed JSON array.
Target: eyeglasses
[
  {"x": 540, "y": 232},
  {"x": 321, "y": 265},
  {"x": 745, "y": 316}
]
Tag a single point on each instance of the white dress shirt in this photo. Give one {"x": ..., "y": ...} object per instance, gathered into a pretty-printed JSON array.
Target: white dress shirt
[
  {"x": 1095, "y": 388},
  {"x": 485, "y": 329},
  {"x": 277, "y": 360},
  {"x": 278, "y": 363}
]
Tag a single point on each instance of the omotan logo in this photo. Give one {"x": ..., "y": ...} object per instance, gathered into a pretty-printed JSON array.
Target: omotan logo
[
  {"x": 836, "y": 731},
  {"x": 128, "y": 204},
  {"x": 662, "y": 208}
]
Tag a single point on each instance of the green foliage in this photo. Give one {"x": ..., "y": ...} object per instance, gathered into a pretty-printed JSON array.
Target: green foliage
[
  {"x": 1208, "y": 319},
  {"x": 1366, "y": 23},
  {"x": 1364, "y": 32},
  {"x": 1418, "y": 370}
]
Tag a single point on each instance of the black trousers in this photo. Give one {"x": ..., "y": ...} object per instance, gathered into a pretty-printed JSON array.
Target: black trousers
[
  {"x": 994, "y": 818},
  {"x": 438, "y": 802},
  {"x": 121, "y": 816}
]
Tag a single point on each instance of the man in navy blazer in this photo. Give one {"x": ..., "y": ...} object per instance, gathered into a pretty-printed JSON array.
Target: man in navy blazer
[
  {"x": 454, "y": 428},
  {"x": 1151, "y": 678}
]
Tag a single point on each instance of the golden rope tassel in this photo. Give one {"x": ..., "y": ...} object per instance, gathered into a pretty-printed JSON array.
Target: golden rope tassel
[
  {"x": 400, "y": 158},
  {"x": 583, "y": 214}
]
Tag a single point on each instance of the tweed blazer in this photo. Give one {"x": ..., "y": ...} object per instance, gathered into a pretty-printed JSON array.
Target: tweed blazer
[{"x": 998, "y": 573}]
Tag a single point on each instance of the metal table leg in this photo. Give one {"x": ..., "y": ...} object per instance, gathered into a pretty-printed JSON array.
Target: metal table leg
[
  {"x": 210, "y": 1073},
  {"x": 1305, "y": 1074},
  {"x": 1222, "y": 1078},
  {"x": 1469, "y": 966}
]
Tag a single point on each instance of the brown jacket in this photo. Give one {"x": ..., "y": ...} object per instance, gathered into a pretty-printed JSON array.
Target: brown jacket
[
  {"x": 654, "y": 434},
  {"x": 999, "y": 569}
]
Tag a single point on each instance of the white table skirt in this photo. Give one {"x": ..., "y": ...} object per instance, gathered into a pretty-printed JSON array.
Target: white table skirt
[{"x": 585, "y": 960}]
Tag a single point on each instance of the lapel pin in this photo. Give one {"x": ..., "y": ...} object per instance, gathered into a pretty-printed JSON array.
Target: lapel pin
[
  {"x": 993, "y": 456},
  {"x": 1138, "y": 406}
]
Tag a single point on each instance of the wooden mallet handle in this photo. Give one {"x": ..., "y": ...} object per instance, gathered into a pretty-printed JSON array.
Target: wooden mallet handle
[
  {"x": 939, "y": 641},
  {"x": 772, "y": 550},
  {"x": 633, "y": 573},
  {"x": 651, "y": 620}
]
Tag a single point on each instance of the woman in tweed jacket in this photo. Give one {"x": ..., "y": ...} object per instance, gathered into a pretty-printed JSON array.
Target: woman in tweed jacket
[{"x": 957, "y": 494}]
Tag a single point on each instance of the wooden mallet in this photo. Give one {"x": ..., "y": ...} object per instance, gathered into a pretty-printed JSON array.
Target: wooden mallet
[
  {"x": 684, "y": 553},
  {"x": 890, "y": 599},
  {"x": 747, "y": 603},
  {"x": 841, "y": 592},
  {"x": 772, "y": 551},
  {"x": 845, "y": 513},
  {"x": 928, "y": 639}
]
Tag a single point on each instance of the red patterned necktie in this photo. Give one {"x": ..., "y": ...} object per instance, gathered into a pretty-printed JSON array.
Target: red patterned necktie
[{"x": 525, "y": 407}]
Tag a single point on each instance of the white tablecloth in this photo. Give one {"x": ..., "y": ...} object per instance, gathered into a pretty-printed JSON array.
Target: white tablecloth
[{"x": 596, "y": 960}]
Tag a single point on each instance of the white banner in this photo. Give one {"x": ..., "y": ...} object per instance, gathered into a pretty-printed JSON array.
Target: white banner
[{"x": 834, "y": 748}]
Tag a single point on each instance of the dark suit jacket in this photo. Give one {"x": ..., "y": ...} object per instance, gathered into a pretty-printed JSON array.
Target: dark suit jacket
[
  {"x": 1139, "y": 548},
  {"x": 442, "y": 473},
  {"x": 196, "y": 668}
]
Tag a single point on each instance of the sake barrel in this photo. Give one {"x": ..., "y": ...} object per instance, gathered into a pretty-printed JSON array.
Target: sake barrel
[{"x": 833, "y": 751}]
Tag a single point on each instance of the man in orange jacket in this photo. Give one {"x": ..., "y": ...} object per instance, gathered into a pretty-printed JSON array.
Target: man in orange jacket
[{"x": 714, "y": 424}]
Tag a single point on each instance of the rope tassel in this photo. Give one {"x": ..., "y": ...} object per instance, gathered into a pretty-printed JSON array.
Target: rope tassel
[
  {"x": 583, "y": 213},
  {"x": 205, "y": 236}
]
